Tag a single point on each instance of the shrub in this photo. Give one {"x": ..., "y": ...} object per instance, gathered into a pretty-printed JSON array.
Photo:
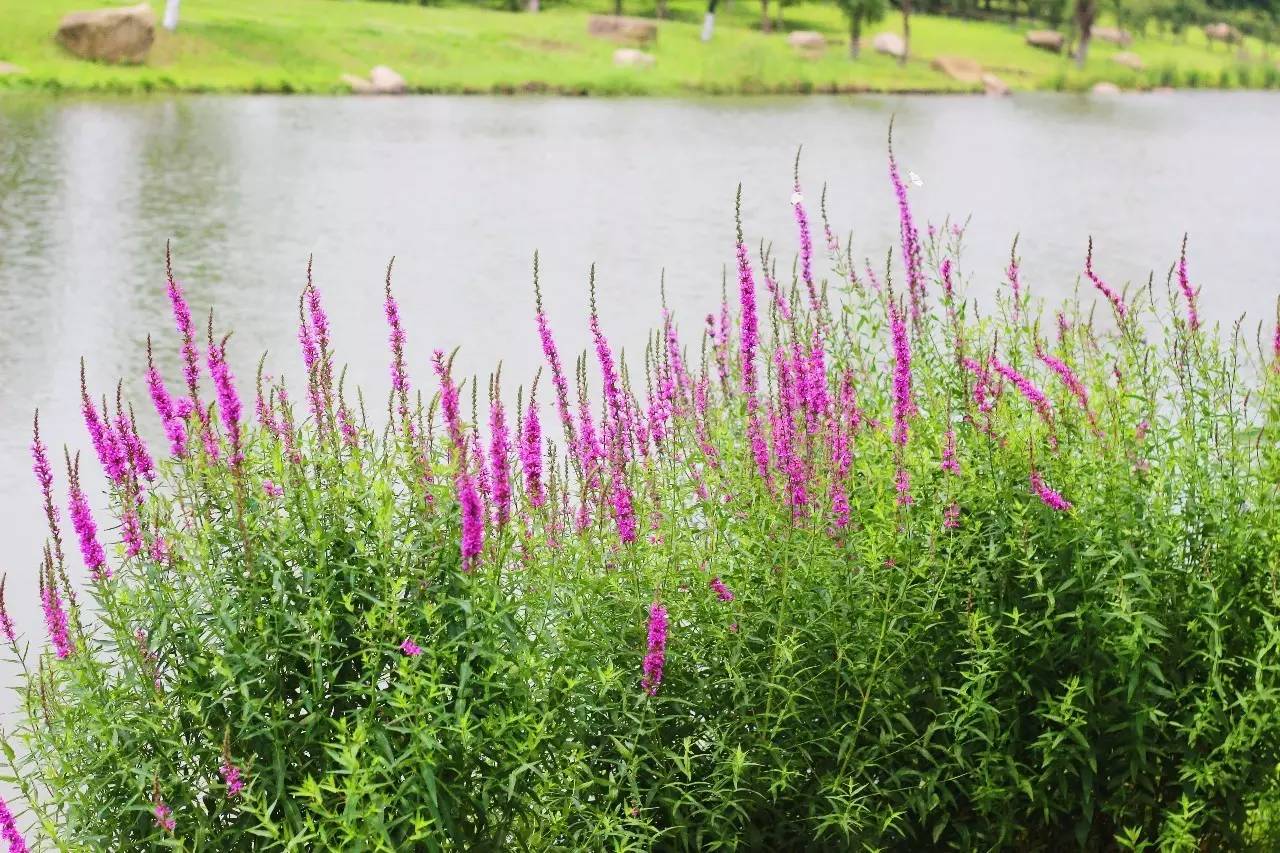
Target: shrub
[{"x": 872, "y": 571}]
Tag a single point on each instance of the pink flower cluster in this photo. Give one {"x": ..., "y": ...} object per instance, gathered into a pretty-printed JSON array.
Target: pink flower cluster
[{"x": 655, "y": 658}]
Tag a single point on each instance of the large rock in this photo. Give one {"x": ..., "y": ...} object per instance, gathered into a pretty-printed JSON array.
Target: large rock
[
  {"x": 10, "y": 68},
  {"x": 623, "y": 29},
  {"x": 121, "y": 35},
  {"x": 1222, "y": 31},
  {"x": 1105, "y": 88},
  {"x": 1050, "y": 40},
  {"x": 629, "y": 57},
  {"x": 958, "y": 68},
  {"x": 1114, "y": 35},
  {"x": 807, "y": 42},
  {"x": 994, "y": 85},
  {"x": 889, "y": 43},
  {"x": 382, "y": 81},
  {"x": 1129, "y": 60}
]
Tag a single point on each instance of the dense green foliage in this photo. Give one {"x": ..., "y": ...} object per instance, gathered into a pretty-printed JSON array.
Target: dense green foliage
[{"x": 960, "y": 662}]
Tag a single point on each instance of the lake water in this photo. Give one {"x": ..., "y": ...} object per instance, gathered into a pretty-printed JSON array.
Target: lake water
[{"x": 462, "y": 191}]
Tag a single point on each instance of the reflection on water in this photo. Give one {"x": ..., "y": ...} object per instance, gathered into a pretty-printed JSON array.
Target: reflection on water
[{"x": 463, "y": 190}]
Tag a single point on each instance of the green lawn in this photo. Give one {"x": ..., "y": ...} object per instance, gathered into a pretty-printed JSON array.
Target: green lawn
[{"x": 305, "y": 45}]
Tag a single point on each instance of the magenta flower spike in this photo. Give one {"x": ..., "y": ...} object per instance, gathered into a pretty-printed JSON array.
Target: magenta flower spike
[
  {"x": 1015, "y": 282},
  {"x": 722, "y": 592},
  {"x": 232, "y": 777},
  {"x": 472, "y": 521},
  {"x": 44, "y": 476},
  {"x": 410, "y": 648},
  {"x": 1114, "y": 298},
  {"x": 187, "y": 330},
  {"x": 9, "y": 830},
  {"x": 656, "y": 657},
  {"x": 500, "y": 459},
  {"x": 95, "y": 559},
  {"x": 624, "y": 513},
  {"x": 949, "y": 461},
  {"x": 395, "y": 336},
  {"x": 552, "y": 355},
  {"x": 910, "y": 236},
  {"x": 1184, "y": 282},
  {"x": 228, "y": 398},
  {"x": 55, "y": 617},
  {"x": 806, "y": 247},
  {"x": 1050, "y": 497},
  {"x": 6, "y": 621},
  {"x": 1027, "y": 389},
  {"x": 903, "y": 405},
  {"x": 272, "y": 490},
  {"x": 105, "y": 442},
  {"x": 175, "y": 428},
  {"x": 164, "y": 818},
  {"x": 1069, "y": 379},
  {"x": 531, "y": 451}
]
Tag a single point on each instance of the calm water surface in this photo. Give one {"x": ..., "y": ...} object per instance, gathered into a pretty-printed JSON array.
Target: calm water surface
[{"x": 462, "y": 191}]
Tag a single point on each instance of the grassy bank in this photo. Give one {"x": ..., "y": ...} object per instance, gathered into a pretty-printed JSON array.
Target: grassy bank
[{"x": 305, "y": 45}]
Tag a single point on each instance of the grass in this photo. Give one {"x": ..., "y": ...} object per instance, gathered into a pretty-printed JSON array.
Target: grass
[{"x": 305, "y": 45}]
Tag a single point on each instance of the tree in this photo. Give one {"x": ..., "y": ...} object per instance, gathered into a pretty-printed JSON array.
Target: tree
[
  {"x": 170, "y": 22},
  {"x": 906, "y": 31},
  {"x": 765, "y": 25},
  {"x": 1086, "y": 12},
  {"x": 857, "y": 13}
]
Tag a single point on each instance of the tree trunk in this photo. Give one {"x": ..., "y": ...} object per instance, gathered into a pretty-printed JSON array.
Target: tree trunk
[
  {"x": 171, "y": 14},
  {"x": 855, "y": 36},
  {"x": 906, "y": 32},
  {"x": 777, "y": 16},
  {"x": 617, "y": 7},
  {"x": 764, "y": 16},
  {"x": 662, "y": 9},
  {"x": 1086, "y": 12},
  {"x": 709, "y": 22}
]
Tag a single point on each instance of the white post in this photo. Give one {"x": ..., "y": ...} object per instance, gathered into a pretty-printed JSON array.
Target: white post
[
  {"x": 533, "y": 5},
  {"x": 708, "y": 26},
  {"x": 171, "y": 14}
]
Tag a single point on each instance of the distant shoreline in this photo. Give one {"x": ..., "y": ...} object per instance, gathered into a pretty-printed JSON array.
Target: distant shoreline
[{"x": 308, "y": 46}]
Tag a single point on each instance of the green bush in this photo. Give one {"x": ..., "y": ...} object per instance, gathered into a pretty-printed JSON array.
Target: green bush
[{"x": 871, "y": 571}]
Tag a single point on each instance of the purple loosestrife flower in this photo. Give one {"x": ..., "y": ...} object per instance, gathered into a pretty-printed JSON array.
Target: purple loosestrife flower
[
  {"x": 1114, "y": 298},
  {"x": 949, "y": 461},
  {"x": 175, "y": 428},
  {"x": 9, "y": 830},
  {"x": 187, "y": 329},
  {"x": 552, "y": 354},
  {"x": 624, "y": 513},
  {"x": 136, "y": 449},
  {"x": 806, "y": 248},
  {"x": 902, "y": 380},
  {"x": 449, "y": 407},
  {"x": 1027, "y": 388},
  {"x": 910, "y": 236},
  {"x": 272, "y": 490},
  {"x": 531, "y": 451},
  {"x": 1069, "y": 379},
  {"x": 311, "y": 361},
  {"x": 656, "y": 658},
  {"x": 105, "y": 442},
  {"x": 951, "y": 516},
  {"x": 410, "y": 648},
  {"x": 615, "y": 427},
  {"x": 6, "y": 622},
  {"x": 350, "y": 437},
  {"x": 231, "y": 777},
  {"x": 44, "y": 476},
  {"x": 95, "y": 559},
  {"x": 320, "y": 324},
  {"x": 722, "y": 592},
  {"x": 164, "y": 818},
  {"x": 472, "y": 521},
  {"x": 395, "y": 336},
  {"x": 1047, "y": 495},
  {"x": 55, "y": 617},
  {"x": 1193, "y": 316},
  {"x": 1014, "y": 281},
  {"x": 228, "y": 399},
  {"x": 499, "y": 458}
]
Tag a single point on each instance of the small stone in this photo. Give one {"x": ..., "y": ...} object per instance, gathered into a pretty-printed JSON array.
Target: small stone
[
  {"x": 1050, "y": 40},
  {"x": 386, "y": 82},
  {"x": 629, "y": 57},
  {"x": 958, "y": 68},
  {"x": 807, "y": 42},
  {"x": 1105, "y": 88},
  {"x": 10, "y": 68},
  {"x": 994, "y": 85},
  {"x": 1129, "y": 60},
  {"x": 890, "y": 44},
  {"x": 1114, "y": 35}
]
